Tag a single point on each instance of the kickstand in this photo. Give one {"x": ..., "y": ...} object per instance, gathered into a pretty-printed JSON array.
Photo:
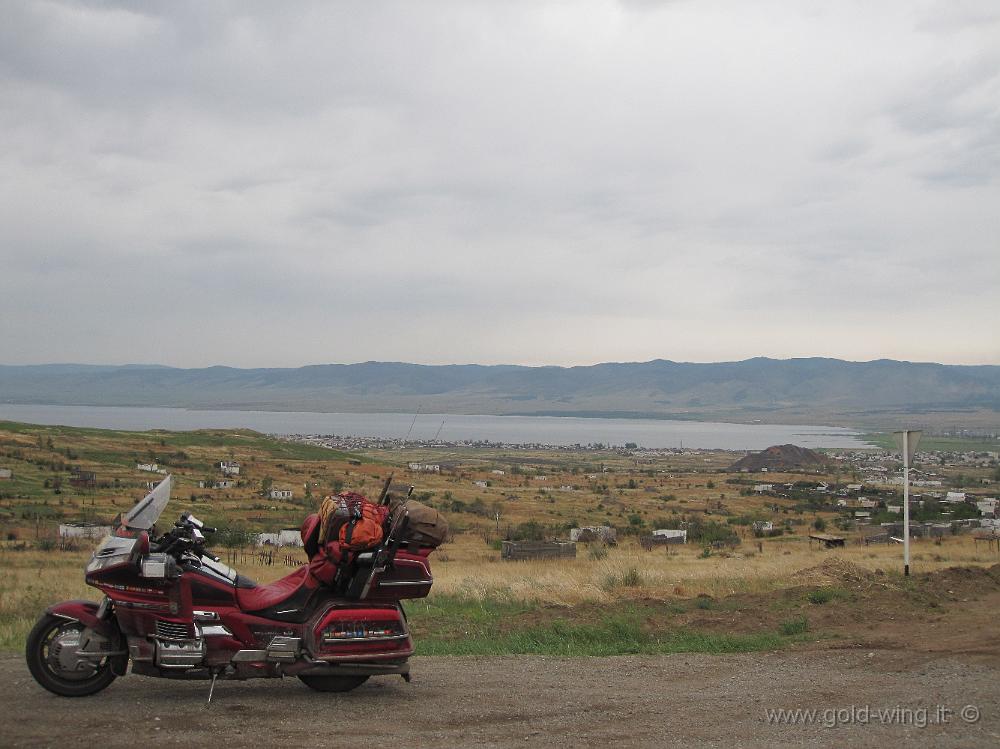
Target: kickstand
[{"x": 211, "y": 689}]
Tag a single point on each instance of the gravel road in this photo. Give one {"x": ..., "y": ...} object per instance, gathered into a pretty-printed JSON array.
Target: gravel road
[{"x": 691, "y": 700}]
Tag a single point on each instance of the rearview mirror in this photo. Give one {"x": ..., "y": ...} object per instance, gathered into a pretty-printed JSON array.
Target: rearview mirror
[{"x": 140, "y": 548}]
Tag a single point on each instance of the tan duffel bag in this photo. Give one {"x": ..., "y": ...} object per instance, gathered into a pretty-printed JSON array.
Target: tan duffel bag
[{"x": 425, "y": 527}]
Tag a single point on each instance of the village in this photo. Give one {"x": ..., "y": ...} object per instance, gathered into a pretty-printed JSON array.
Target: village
[{"x": 515, "y": 494}]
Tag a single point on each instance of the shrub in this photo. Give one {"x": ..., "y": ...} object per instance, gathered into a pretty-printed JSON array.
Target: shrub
[
  {"x": 820, "y": 596},
  {"x": 796, "y": 626},
  {"x": 630, "y": 578}
]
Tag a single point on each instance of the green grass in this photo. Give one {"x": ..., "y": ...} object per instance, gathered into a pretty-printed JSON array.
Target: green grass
[
  {"x": 447, "y": 625},
  {"x": 941, "y": 444},
  {"x": 796, "y": 626},
  {"x": 821, "y": 596}
]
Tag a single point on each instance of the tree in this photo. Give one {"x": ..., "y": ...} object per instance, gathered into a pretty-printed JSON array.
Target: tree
[{"x": 819, "y": 524}]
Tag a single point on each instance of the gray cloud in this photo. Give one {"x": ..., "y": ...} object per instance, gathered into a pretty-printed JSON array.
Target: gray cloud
[{"x": 250, "y": 184}]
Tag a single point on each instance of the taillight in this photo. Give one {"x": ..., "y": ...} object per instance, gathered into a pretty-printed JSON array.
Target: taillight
[{"x": 345, "y": 631}]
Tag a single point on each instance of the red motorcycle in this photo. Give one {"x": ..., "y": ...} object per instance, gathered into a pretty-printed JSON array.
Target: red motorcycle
[{"x": 175, "y": 611}]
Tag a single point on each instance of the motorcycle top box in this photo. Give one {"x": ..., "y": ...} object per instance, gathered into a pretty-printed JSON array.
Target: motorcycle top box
[{"x": 174, "y": 610}]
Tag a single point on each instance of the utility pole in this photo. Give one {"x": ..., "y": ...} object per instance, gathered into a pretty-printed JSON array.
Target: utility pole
[{"x": 907, "y": 441}]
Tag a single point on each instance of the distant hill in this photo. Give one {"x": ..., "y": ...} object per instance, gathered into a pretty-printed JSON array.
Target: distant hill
[
  {"x": 780, "y": 458},
  {"x": 815, "y": 390}
]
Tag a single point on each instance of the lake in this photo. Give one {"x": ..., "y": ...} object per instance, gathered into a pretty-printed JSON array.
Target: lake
[{"x": 548, "y": 430}]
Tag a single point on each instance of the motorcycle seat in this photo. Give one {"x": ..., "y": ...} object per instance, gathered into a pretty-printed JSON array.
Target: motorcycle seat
[{"x": 289, "y": 593}]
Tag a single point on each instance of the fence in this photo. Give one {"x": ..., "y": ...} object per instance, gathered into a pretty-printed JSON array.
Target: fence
[{"x": 265, "y": 557}]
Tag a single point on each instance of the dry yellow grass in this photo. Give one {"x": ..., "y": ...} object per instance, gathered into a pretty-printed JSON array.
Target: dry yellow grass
[{"x": 468, "y": 568}]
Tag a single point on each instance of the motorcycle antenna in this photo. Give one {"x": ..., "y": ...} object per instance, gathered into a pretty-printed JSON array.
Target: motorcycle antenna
[
  {"x": 385, "y": 489},
  {"x": 412, "y": 423}
]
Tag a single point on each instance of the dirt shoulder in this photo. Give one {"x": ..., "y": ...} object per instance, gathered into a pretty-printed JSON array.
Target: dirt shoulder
[{"x": 698, "y": 700}]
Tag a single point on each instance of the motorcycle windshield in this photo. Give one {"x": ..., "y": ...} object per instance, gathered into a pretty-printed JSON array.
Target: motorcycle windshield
[{"x": 144, "y": 515}]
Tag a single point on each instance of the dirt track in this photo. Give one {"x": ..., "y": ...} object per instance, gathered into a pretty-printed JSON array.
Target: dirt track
[{"x": 623, "y": 701}]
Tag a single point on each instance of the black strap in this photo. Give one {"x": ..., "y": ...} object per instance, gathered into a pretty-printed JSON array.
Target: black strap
[{"x": 350, "y": 531}]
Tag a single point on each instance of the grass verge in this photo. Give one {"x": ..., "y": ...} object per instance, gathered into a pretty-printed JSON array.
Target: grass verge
[{"x": 447, "y": 625}]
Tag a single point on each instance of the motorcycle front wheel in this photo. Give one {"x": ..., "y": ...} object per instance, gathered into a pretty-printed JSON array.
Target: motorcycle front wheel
[
  {"x": 333, "y": 683},
  {"x": 50, "y": 653}
]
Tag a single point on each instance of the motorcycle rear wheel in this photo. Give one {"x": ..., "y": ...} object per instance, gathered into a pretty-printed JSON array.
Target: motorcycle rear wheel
[
  {"x": 332, "y": 683},
  {"x": 48, "y": 636}
]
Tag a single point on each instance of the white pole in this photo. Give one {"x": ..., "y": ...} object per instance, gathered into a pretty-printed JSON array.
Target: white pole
[{"x": 906, "y": 504}]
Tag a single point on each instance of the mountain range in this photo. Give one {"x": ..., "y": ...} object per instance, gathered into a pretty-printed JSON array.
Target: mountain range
[{"x": 808, "y": 390}]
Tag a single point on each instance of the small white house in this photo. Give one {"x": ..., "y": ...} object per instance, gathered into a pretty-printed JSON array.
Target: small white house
[
  {"x": 763, "y": 488},
  {"x": 866, "y": 502},
  {"x": 149, "y": 467},
  {"x": 267, "y": 539},
  {"x": 229, "y": 467},
  {"x": 280, "y": 494},
  {"x": 677, "y": 536},
  {"x": 289, "y": 537},
  {"x": 83, "y": 530},
  {"x": 497, "y": 472},
  {"x": 987, "y": 506},
  {"x": 6, "y": 473},
  {"x": 954, "y": 497},
  {"x": 481, "y": 484},
  {"x": 763, "y": 526},
  {"x": 894, "y": 508},
  {"x": 424, "y": 467}
]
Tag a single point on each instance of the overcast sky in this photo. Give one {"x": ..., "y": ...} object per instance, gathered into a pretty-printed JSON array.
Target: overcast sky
[{"x": 276, "y": 184}]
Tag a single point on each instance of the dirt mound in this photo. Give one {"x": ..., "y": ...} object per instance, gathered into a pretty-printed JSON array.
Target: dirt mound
[
  {"x": 780, "y": 458},
  {"x": 838, "y": 572},
  {"x": 962, "y": 581}
]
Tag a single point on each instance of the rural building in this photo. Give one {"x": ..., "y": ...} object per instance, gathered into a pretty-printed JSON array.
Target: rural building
[
  {"x": 827, "y": 540},
  {"x": 671, "y": 535},
  {"x": 267, "y": 539},
  {"x": 480, "y": 484},
  {"x": 280, "y": 494},
  {"x": 855, "y": 487},
  {"x": 954, "y": 497},
  {"x": 763, "y": 526},
  {"x": 497, "y": 472},
  {"x": 604, "y": 533},
  {"x": 865, "y": 502},
  {"x": 6, "y": 473},
  {"x": 760, "y": 488},
  {"x": 424, "y": 467},
  {"x": 512, "y": 551},
  {"x": 83, "y": 479},
  {"x": 83, "y": 530},
  {"x": 894, "y": 508},
  {"x": 987, "y": 506},
  {"x": 289, "y": 537},
  {"x": 229, "y": 467},
  {"x": 149, "y": 467}
]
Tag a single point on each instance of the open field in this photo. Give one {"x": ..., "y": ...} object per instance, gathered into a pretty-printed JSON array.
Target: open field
[{"x": 745, "y": 594}]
